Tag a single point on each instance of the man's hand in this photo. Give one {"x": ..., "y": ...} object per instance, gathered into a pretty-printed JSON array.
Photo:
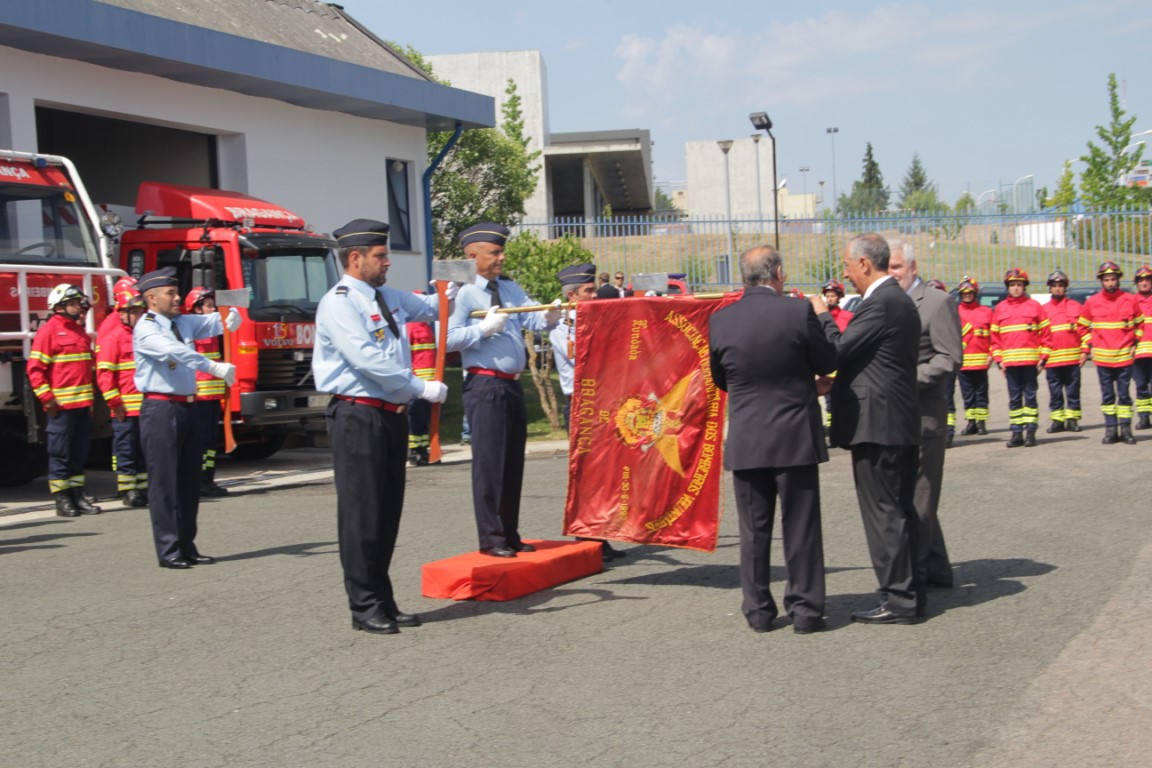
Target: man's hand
[
  {"x": 450, "y": 288},
  {"x": 493, "y": 322},
  {"x": 817, "y": 302},
  {"x": 1083, "y": 358},
  {"x": 552, "y": 316},
  {"x": 233, "y": 321},
  {"x": 823, "y": 385},
  {"x": 51, "y": 409},
  {"x": 119, "y": 412},
  {"x": 225, "y": 371},
  {"x": 434, "y": 392}
]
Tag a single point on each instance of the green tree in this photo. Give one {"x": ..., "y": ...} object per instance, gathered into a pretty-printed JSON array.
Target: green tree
[
  {"x": 923, "y": 201},
  {"x": 1065, "y": 195},
  {"x": 868, "y": 195},
  {"x": 486, "y": 177},
  {"x": 1100, "y": 181},
  {"x": 965, "y": 204},
  {"x": 664, "y": 203},
  {"x": 915, "y": 181}
]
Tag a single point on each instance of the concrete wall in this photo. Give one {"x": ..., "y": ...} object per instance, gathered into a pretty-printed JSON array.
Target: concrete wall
[
  {"x": 704, "y": 162},
  {"x": 489, "y": 73},
  {"x": 327, "y": 167}
]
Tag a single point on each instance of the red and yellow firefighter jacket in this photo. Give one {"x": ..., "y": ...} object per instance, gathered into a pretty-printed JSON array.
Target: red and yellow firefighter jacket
[
  {"x": 1144, "y": 345},
  {"x": 976, "y": 336},
  {"x": 422, "y": 339},
  {"x": 1019, "y": 332},
  {"x": 1065, "y": 334},
  {"x": 116, "y": 365},
  {"x": 841, "y": 317},
  {"x": 208, "y": 387},
  {"x": 60, "y": 365},
  {"x": 1114, "y": 324}
]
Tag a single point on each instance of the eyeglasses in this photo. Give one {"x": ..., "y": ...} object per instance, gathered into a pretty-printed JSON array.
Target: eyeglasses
[{"x": 619, "y": 277}]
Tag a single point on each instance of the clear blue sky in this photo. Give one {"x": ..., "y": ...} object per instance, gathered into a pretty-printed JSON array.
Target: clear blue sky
[{"x": 986, "y": 91}]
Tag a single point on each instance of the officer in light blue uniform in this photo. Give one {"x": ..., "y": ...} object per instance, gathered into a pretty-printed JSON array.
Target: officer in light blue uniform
[
  {"x": 362, "y": 358},
  {"x": 166, "y": 366},
  {"x": 577, "y": 283},
  {"x": 493, "y": 355}
]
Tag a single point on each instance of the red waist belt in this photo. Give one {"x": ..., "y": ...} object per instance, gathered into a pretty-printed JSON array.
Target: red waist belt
[
  {"x": 372, "y": 402},
  {"x": 170, "y": 398},
  {"x": 497, "y": 374}
]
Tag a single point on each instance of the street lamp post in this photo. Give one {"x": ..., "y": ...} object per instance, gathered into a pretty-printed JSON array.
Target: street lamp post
[
  {"x": 725, "y": 145},
  {"x": 761, "y": 122},
  {"x": 835, "y": 198},
  {"x": 1016, "y": 195},
  {"x": 981, "y": 197},
  {"x": 759, "y": 196},
  {"x": 804, "y": 177}
]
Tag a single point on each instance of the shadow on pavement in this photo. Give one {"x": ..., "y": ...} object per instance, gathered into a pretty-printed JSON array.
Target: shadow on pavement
[
  {"x": 303, "y": 549},
  {"x": 536, "y": 603},
  {"x": 8, "y": 546}
]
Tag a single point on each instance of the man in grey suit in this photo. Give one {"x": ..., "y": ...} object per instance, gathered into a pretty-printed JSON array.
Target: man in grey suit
[
  {"x": 767, "y": 351},
  {"x": 875, "y": 401},
  {"x": 940, "y": 356}
]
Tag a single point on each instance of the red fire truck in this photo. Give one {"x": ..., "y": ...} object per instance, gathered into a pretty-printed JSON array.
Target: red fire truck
[
  {"x": 50, "y": 233},
  {"x": 227, "y": 241}
]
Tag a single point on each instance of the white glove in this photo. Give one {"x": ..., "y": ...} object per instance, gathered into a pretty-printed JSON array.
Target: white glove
[
  {"x": 493, "y": 322},
  {"x": 225, "y": 371},
  {"x": 450, "y": 290},
  {"x": 435, "y": 392},
  {"x": 552, "y": 316},
  {"x": 232, "y": 322}
]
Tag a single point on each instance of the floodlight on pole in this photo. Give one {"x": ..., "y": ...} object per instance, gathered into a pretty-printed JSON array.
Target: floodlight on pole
[
  {"x": 835, "y": 198},
  {"x": 761, "y": 122},
  {"x": 725, "y": 145},
  {"x": 759, "y": 196}
]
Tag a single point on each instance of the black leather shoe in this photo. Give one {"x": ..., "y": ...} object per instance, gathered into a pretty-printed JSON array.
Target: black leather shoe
[
  {"x": 522, "y": 547},
  {"x": 200, "y": 560},
  {"x": 377, "y": 625},
  {"x": 881, "y": 615},
  {"x": 1126, "y": 435},
  {"x": 84, "y": 503},
  {"x": 981, "y": 428},
  {"x": 1016, "y": 441},
  {"x": 760, "y": 630},
  {"x": 65, "y": 507},
  {"x": 405, "y": 619},
  {"x": 610, "y": 553},
  {"x": 809, "y": 627},
  {"x": 1030, "y": 439},
  {"x": 1072, "y": 425},
  {"x": 1056, "y": 426},
  {"x": 498, "y": 552},
  {"x": 212, "y": 490},
  {"x": 133, "y": 499},
  {"x": 969, "y": 428},
  {"x": 176, "y": 564},
  {"x": 1109, "y": 436}
]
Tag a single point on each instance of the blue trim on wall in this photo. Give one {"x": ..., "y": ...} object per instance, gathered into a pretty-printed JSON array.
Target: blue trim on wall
[{"x": 105, "y": 35}]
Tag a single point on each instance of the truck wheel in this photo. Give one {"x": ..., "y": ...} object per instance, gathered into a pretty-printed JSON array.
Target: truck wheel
[{"x": 259, "y": 444}]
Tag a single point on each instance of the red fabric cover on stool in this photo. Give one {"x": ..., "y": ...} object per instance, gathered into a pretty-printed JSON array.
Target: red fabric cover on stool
[{"x": 474, "y": 576}]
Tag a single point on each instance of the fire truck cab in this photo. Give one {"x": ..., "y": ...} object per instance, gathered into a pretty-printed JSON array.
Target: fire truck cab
[
  {"x": 225, "y": 241},
  {"x": 50, "y": 233}
]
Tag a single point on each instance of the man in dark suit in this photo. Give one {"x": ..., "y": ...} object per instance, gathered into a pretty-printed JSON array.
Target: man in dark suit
[
  {"x": 875, "y": 401},
  {"x": 940, "y": 355},
  {"x": 766, "y": 353}
]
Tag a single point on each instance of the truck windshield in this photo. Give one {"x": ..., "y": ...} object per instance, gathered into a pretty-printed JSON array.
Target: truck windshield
[
  {"x": 289, "y": 283},
  {"x": 44, "y": 225}
]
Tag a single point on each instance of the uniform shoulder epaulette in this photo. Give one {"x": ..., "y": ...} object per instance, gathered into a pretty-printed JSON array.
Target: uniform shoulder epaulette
[
  {"x": 150, "y": 316},
  {"x": 341, "y": 290}
]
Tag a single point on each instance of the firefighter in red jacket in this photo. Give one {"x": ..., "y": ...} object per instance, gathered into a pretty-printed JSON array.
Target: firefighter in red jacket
[
  {"x": 1062, "y": 351},
  {"x": 209, "y": 392},
  {"x": 1142, "y": 365},
  {"x": 976, "y": 335},
  {"x": 1114, "y": 324},
  {"x": 60, "y": 371},
  {"x": 422, "y": 339},
  {"x": 115, "y": 376},
  {"x": 1019, "y": 333},
  {"x": 833, "y": 292}
]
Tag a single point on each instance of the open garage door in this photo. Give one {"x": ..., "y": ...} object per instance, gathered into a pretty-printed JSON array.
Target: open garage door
[{"x": 113, "y": 156}]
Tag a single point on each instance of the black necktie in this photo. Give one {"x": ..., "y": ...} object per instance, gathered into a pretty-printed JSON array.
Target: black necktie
[
  {"x": 387, "y": 314},
  {"x": 495, "y": 288},
  {"x": 176, "y": 333}
]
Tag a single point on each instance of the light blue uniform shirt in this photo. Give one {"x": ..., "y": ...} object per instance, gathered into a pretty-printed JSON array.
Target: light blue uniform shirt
[
  {"x": 563, "y": 335},
  {"x": 164, "y": 365},
  {"x": 502, "y": 351},
  {"x": 356, "y": 354}
]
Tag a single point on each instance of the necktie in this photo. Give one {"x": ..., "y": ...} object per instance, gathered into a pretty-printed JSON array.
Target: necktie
[
  {"x": 176, "y": 333},
  {"x": 495, "y": 288},
  {"x": 387, "y": 314}
]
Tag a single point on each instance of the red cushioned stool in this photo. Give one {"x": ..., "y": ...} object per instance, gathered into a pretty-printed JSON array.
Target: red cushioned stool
[{"x": 474, "y": 576}]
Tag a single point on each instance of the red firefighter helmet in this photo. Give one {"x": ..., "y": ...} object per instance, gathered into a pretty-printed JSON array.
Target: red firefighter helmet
[
  {"x": 128, "y": 297},
  {"x": 1016, "y": 275},
  {"x": 1058, "y": 276},
  {"x": 795, "y": 293},
  {"x": 968, "y": 284},
  {"x": 938, "y": 285},
  {"x": 1144, "y": 271},
  {"x": 124, "y": 284},
  {"x": 1109, "y": 268},
  {"x": 195, "y": 296},
  {"x": 833, "y": 285}
]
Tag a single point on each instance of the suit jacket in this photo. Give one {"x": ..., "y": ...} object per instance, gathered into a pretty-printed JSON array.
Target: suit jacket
[
  {"x": 766, "y": 352},
  {"x": 874, "y": 397},
  {"x": 941, "y": 354}
]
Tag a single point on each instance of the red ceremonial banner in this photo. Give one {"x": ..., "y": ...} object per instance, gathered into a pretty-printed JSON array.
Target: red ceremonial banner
[{"x": 646, "y": 438}]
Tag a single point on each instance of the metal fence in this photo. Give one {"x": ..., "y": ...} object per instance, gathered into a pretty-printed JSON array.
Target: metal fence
[{"x": 948, "y": 246}]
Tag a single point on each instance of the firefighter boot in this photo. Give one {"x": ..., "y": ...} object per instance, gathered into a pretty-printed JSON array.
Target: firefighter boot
[
  {"x": 1016, "y": 441},
  {"x": 1126, "y": 435},
  {"x": 981, "y": 428},
  {"x": 1144, "y": 421},
  {"x": 1056, "y": 426},
  {"x": 1072, "y": 425},
  {"x": 65, "y": 507},
  {"x": 1030, "y": 438},
  {"x": 969, "y": 428},
  {"x": 1109, "y": 435},
  {"x": 83, "y": 503},
  {"x": 133, "y": 498}
]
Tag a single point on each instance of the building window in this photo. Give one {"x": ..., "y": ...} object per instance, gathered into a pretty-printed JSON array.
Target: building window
[{"x": 399, "y": 205}]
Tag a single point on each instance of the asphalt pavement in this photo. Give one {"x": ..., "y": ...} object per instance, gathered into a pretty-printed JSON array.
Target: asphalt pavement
[{"x": 1038, "y": 657}]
